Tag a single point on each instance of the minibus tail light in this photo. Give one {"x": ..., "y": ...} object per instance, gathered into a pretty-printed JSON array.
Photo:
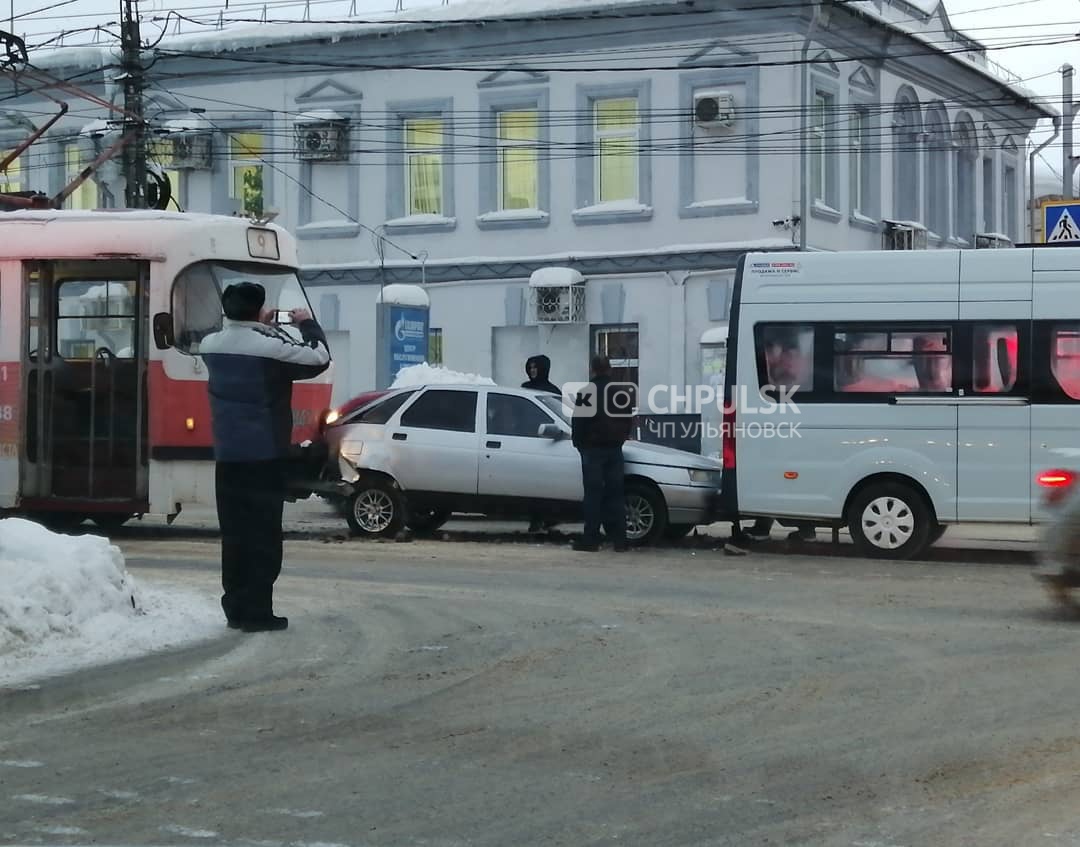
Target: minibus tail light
[
  {"x": 1056, "y": 484},
  {"x": 728, "y": 436}
]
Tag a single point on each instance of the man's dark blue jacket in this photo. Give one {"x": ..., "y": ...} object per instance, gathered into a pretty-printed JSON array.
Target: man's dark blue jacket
[{"x": 252, "y": 367}]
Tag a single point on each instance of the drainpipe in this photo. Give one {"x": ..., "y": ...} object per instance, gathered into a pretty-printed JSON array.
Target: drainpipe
[
  {"x": 1031, "y": 177},
  {"x": 1067, "y": 139},
  {"x": 804, "y": 179}
]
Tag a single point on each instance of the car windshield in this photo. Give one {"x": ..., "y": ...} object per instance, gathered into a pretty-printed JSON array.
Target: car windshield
[{"x": 554, "y": 405}]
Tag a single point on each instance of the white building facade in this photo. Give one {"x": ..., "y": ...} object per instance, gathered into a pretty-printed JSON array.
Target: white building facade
[{"x": 644, "y": 144}]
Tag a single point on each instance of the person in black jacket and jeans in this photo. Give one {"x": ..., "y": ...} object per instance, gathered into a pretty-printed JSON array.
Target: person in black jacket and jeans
[
  {"x": 252, "y": 366},
  {"x": 599, "y": 434},
  {"x": 538, "y": 371}
]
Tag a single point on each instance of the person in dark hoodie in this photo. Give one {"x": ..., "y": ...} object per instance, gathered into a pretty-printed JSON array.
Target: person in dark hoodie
[{"x": 538, "y": 368}]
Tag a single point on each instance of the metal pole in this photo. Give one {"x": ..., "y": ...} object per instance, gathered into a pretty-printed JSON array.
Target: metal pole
[
  {"x": 1031, "y": 179},
  {"x": 804, "y": 162},
  {"x": 1067, "y": 131}
]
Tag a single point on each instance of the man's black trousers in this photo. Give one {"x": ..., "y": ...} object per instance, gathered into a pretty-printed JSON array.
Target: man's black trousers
[
  {"x": 602, "y": 479},
  {"x": 250, "y": 501}
]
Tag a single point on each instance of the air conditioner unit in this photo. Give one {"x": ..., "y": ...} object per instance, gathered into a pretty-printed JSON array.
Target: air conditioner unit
[
  {"x": 903, "y": 236},
  {"x": 192, "y": 151},
  {"x": 991, "y": 241},
  {"x": 323, "y": 142},
  {"x": 714, "y": 109}
]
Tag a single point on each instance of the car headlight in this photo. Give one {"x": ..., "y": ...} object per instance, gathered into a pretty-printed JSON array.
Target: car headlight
[
  {"x": 331, "y": 417},
  {"x": 700, "y": 477}
]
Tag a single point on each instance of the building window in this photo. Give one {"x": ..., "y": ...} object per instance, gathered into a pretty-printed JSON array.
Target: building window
[
  {"x": 434, "y": 346},
  {"x": 907, "y": 127},
  {"x": 86, "y": 195},
  {"x": 519, "y": 163},
  {"x": 988, "y": 194},
  {"x": 939, "y": 146},
  {"x": 860, "y": 159},
  {"x": 819, "y": 154},
  {"x": 966, "y": 161},
  {"x": 11, "y": 176},
  {"x": 1008, "y": 201},
  {"x": 161, "y": 154},
  {"x": 423, "y": 166},
  {"x": 616, "y": 134},
  {"x": 619, "y": 342},
  {"x": 245, "y": 162}
]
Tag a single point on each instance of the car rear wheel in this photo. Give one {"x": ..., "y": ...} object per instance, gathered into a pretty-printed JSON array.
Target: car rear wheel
[
  {"x": 890, "y": 520},
  {"x": 646, "y": 513},
  {"x": 110, "y": 522},
  {"x": 376, "y": 508}
]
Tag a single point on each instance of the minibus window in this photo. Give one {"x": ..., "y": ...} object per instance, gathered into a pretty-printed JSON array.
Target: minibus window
[
  {"x": 1065, "y": 358},
  {"x": 994, "y": 358},
  {"x": 892, "y": 361},
  {"x": 786, "y": 356}
]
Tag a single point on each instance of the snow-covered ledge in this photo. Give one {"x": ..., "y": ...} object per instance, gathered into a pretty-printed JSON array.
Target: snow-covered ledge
[
  {"x": 337, "y": 228},
  {"x": 825, "y": 212},
  {"x": 615, "y": 211},
  {"x": 420, "y": 223},
  {"x": 404, "y": 295},
  {"x": 861, "y": 221},
  {"x": 513, "y": 219},
  {"x": 719, "y": 206}
]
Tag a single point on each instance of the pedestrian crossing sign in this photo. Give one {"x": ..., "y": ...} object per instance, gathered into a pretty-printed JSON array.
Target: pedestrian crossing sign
[{"x": 1061, "y": 223}]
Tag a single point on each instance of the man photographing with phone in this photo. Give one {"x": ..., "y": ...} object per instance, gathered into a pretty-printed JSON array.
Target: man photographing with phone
[{"x": 252, "y": 366}]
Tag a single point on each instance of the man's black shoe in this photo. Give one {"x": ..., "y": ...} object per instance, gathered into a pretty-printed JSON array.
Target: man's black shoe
[
  {"x": 270, "y": 624},
  {"x": 585, "y": 547},
  {"x": 234, "y": 623}
]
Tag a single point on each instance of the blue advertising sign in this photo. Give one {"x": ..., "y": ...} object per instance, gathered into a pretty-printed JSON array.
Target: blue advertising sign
[{"x": 408, "y": 338}]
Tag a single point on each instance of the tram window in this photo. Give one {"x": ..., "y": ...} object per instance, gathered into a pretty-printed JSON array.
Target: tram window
[
  {"x": 891, "y": 361},
  {"x": 994, "y": 358},
  {"x": 196, "y": 297},
  {"x": 1065, "y": 358},
  {"x": 95, "y": 318}
]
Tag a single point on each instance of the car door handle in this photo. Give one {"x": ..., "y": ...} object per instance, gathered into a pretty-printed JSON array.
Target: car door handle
[
  {"x": 399, "y": 436},
  {"x": 494, "y": 444}
]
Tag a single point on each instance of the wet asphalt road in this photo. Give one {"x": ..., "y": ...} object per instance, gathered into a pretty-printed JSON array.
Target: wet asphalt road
[{"x": 437, "y": 693}]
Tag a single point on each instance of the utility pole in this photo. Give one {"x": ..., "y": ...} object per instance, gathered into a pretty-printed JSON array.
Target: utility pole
[{"x": 134, "y": 160}]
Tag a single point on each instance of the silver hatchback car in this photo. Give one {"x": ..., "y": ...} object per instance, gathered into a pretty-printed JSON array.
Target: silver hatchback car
[{"x": 414, "y": 456}]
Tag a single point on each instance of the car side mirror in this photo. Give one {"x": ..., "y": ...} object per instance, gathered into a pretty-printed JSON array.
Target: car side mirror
[
  {"x": 163, "y": 331},
  {"x": 550, "y": 430}
]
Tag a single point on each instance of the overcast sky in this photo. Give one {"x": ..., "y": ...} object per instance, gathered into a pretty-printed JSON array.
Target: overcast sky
[{"x": 1008, "y": 24}]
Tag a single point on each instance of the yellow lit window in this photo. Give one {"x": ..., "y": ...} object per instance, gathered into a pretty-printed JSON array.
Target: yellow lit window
[
  {"x": 423, "y": 166},
  {"x": 11, "y": 176},
  {"x": 616, "y": 133},
  {"x": 245, "y": 155},
  {"x": 86, "y": 195},
  {"x": 518, "y": 161}
]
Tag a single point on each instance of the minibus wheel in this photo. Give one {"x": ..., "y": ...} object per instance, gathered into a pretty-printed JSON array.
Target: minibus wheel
[
  {"x": 890, "y": 520},
  {"x": 376, "y": 508}
]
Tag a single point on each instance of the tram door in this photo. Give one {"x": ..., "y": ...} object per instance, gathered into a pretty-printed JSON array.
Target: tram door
[{"x": 85, "y": 403}]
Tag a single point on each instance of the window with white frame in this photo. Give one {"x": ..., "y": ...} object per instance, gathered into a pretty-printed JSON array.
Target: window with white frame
[
  {"x": 859, "y": 159},
  {"x": 86, "y": 195},
  {"x": 1008, "y": 201},
  {"x": 988, "y": 194},
  {"x": 10, "y": 176},
  {"x": 517, "y": 135},
  {"x": 246, "y": 171},
  {"x": 819, "y": 154},
  {"x": 616, "y": 143},
  {"x": 423, "y": 166},
  {"x": 161, "y": 154}
]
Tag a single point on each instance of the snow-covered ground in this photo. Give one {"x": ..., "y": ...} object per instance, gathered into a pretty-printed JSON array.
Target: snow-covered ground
[{"x": 68, "y": 602}]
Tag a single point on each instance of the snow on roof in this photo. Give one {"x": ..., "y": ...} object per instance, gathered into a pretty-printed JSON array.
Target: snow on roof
[
  {"x": 555, "y": 278},
  {"x": 425, "y": 374},
  {"x": 95, "y": 128},
  {"x": 250, "y": 37},
  {"x": 192, "y": 123},
  {"x": 318, "y": 116},
  {"x": 715, "y": 335},
  {"x": 69, "y": 602},
  {"x": 404, "y": 295}
]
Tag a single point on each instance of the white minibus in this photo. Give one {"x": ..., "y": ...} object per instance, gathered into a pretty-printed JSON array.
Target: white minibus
[{"x": 897, "y": 392}]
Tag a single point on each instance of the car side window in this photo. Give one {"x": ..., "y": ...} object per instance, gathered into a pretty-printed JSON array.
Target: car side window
[
  {"x": 382, "y": 411},
  {"x": 442, "y": 409},
  {"x": 518, "y": 416}
]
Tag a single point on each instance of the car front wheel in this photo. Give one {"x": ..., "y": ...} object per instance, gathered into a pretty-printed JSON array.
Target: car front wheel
[
  {"x": 376, "y": 508},
  {"x": 646, "y": 513}
]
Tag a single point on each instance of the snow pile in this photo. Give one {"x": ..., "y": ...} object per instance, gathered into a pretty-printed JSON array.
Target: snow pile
[
  {"x": 426, "y": 374},
  {"x": 68, "y": 602}
]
